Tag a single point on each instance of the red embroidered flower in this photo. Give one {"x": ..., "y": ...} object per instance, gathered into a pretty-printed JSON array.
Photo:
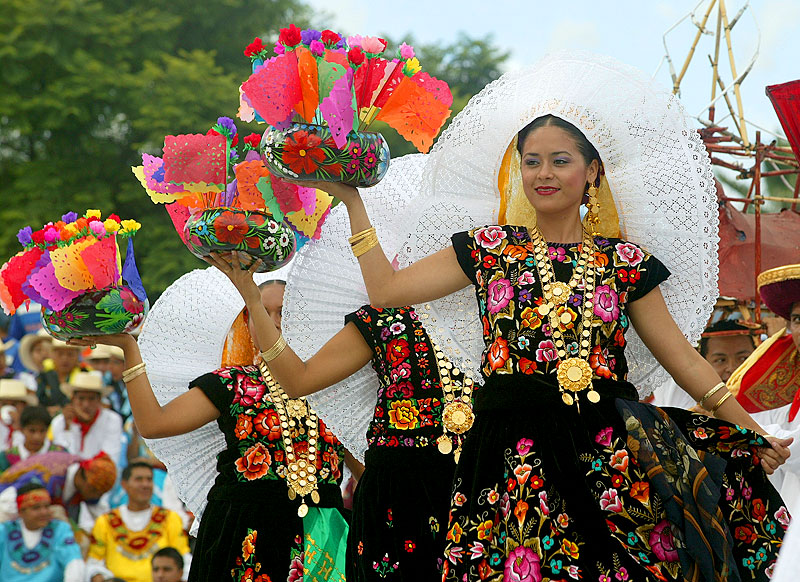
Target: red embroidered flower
[
  {"x": 526, "y": 366},
  {"x": 498, "y": 354},
  {"x": 255, "y": 462},
  {"x": 230, "y": 227},
  {"x": 640, "y": 491},
  {"x": 244, "y": 426},
  {"x": 397, "y": 350},
  {"x": 302, "y": 152},
  {"x": 599, "y": 363},
  {"x": 268, "y": 424},
  {"x": 759, "y": 510},
  {"x": 248, "y": 391},
  {"x": 409, "y": 546}
]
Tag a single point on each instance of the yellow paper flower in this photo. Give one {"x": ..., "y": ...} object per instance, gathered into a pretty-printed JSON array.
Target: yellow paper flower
[
  {"x": 71, "y": 229},
  {"x": 413, "y": 66},
  {"x": 130, "y": 226},
  {"x": 111, "y": 225},
  {"x": 93, "y": 213}
]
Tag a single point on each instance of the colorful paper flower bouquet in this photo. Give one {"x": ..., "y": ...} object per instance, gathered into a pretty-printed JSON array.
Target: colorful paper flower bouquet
[
  {"x": 73, "y": 269},
  {"x": 321, "y": 92},
  {"x": 222, "y": 201}
]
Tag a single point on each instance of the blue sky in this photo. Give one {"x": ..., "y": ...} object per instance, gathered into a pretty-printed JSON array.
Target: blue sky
[{"x": 628, "y": 30}]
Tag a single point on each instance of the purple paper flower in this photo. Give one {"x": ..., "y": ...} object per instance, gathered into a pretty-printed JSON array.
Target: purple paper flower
[
  {"x": 70, "y": 217},
  {"x": 310, "y": 35},
  {"x": 24, "y": 236},
  {"x": 226, "y": 126},
  {"x": 317, "y": 48}
]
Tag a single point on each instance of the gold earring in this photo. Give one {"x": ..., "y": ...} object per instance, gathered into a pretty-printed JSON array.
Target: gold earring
[{"x": 593, "y": 207}]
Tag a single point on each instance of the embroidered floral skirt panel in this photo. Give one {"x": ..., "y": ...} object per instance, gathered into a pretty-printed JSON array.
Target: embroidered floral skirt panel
[
  {"x": 620, "y": 491},
  {"x": 400, "y": 512},
  {"x": 253, "y": 533}
]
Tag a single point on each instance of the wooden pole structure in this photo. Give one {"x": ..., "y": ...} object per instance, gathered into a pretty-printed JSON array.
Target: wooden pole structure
[
  {"x": 677, "y": 84},
  {"x": 737, "y": 83},
  {"x": 758, "y": 203},
  {"x": 714, "y": 67}
]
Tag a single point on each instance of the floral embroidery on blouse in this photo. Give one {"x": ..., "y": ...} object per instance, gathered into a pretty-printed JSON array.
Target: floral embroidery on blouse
[
  {"x": 408, "y": 412},
  {"x": 501, "y": 263}
]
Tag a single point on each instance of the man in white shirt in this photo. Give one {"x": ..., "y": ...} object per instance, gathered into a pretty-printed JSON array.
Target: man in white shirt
[
  {"x": 85, "y": 427},
  {"x": 14, "y": 397}
]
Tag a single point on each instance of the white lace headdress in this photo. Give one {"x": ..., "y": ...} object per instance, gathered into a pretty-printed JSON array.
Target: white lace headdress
[
  {"x": 183, "y": 337},
  {"x": 656, "y": 165},
  {"x": 325, "y": 284}
]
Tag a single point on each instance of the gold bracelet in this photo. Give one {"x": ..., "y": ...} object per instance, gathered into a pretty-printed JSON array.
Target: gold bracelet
[
  {"x": 133, "y": 375},
  {"x": 365, "y": 245},
  {"x": 711, "y": 393},
  {"x": 276, "y": 349},
  {"x": 133, "y": 369},
  {"x": 720, "y": 402},
  {"x": 357, "y": 237}
]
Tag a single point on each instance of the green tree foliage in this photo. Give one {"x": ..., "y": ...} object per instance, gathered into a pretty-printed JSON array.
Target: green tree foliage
[{"x": 89, "y": 84}]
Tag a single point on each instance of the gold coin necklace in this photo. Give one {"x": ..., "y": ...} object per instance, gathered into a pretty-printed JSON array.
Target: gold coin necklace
[
  {"x": 457, "y": 415},
  {"x": 301, "y": 476},
  {"x": 574, "y": 374}
]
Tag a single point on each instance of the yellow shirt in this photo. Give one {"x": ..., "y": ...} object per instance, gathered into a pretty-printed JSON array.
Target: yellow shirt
[{"x": 128, "y": 553}]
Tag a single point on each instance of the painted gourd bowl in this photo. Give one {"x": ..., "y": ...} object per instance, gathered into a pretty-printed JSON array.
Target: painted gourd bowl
[
  {"x": 306, "y": 152},
  {"x": 101, "y": 312},
  {"x": 248, "y": 231}
]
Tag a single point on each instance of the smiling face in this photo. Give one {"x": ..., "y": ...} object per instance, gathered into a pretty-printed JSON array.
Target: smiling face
[
  {"x": 86, "y": 403},
  {"x": 554, "y": 172}
]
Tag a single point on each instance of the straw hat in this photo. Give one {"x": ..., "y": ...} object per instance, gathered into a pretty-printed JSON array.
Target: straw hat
[
  {"x": 26, "y": 345},
  {"x": 7, "y": 345},
  {"x": 15, "y": 390},
  {"x": 86, "y": 382},
  {"x": 780, "y": 289},
  {"x": 62, "y": 345},
  {"x": 116, "y": 352},
  {"x": 101, "y": 352}
]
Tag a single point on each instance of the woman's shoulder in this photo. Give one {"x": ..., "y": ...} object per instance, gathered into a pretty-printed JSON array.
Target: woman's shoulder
[
  {"x": 492, "y": 236},
  {"x": 622, "y": 251}
]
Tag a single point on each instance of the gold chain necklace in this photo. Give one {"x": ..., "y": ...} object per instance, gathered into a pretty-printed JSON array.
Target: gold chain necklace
[
  {"x": 457, "y": 415},
  {"x": 301, "y": 476},
  {"x": 574, "y": 374}
]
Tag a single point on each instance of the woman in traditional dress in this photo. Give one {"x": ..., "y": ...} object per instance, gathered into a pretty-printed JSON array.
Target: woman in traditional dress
[
  {"x": 274, "y": 509},
  {"x": 565, "y": 475},
  {"x": 401, "y": 504}
]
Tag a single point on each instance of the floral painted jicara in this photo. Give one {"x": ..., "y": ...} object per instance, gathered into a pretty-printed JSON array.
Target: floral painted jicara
[
  {"x": 320, "y": 93},
  {"x": 221, "y": 199},
  {"x": 72, "y": 268}
]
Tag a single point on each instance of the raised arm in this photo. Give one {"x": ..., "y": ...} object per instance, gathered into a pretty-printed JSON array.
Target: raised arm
[
  {"x": 661, "y": 335},
  {"x": 433, "y": 277},
  {"x": 183, "y": 414},
  {"x": 343, "y": 355}
]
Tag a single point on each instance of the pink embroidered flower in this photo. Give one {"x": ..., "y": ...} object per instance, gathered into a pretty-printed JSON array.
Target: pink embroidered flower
[
  {"x": 557, "y": 254},
  {"x": 622, "y": 575},
  {"x": 498, "y": 295},
  {"x": 619, "y": 460},
  {"x": 296, "y": 569},
  {"x": 782, "y": 516},
  {"x": 522, "y": 565},
  {"x": 629, "y": 253},
  {"x": 606, "y": 303},
  {"x": 563, "y": 520},
  {"x": 662, "y": 543},
  {"x": 401, "y": 372},
  {"x": 523, "y": 446},
  {"x": 247, "y": 391},
  {"x": 505, "y": 505},
  {"x": 546, "y": 352},
  {"x": 610, "y": 501},
  {"x": 490, "y": 237},
  {"x": 543, "y": 503},
  {"x": 604, "y": 436},
  {"x": 526, "y": 278}
]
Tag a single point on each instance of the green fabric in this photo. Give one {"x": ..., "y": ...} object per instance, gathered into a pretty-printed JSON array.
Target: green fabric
[{"x": 325, "y": 545}]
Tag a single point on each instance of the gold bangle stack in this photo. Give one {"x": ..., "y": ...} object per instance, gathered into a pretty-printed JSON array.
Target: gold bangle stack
[
  {"x": 276, "y": 349},
  {"x": 720, "y": 402},
  {"x": 711, "y": 393},
  {"x": 133, "y": 372},
  {"x": 363, "y": 241}
]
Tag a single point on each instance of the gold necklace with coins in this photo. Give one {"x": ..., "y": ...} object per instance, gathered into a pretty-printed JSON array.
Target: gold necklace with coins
[
  {"x": 457, "y": 415},
  {"x": 301, "y": 475},
  {"x": 574, "y": 374}
]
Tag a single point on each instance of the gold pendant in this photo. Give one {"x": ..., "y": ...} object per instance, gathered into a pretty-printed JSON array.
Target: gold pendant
[
  {"x": 457, "y": 455},
  {"x": 296, "y": 408},
  {"x": 302, "y": 511},
  {"x": 567, "y": 398},
  {"x": 292, "y": 494},
  {"x": 315, "y": 496},
  {"x": 593, "y": 396},
  {"x": 445, "y": 444},
  {"x": 574, "y": 374},
  {"x": 559, "y": 292},
  {"x": 458, "y": 417}
]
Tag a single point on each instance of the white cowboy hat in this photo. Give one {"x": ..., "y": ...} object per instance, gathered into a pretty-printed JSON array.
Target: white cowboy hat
[
  {"x": 11, "y": 389},
  {"x": 26, "y": 345},
  {"x": 100, "y": 352},
  {"x": 85, "y": 382}
]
